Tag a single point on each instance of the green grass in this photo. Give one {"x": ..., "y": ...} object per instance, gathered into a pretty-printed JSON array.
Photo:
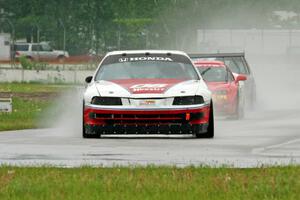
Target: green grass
[
  {"x": 26, "y": 110},
  {"x": 25, "y": 114},
  {"x": 150, "y": 183},
  {"x": 32, "y": 87}
]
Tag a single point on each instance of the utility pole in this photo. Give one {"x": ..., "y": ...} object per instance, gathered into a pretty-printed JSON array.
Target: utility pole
[
  {"x": 64, "y": 40},
  {"x": 37, "y": 37},
  {"x": 119, "y": 38}
]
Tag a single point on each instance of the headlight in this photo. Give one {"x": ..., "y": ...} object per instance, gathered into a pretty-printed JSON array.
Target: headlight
[
  {"x": 107, "y": 101},
  {"x": 189, "y": 100},
  {"x": 220, "y": 92}
]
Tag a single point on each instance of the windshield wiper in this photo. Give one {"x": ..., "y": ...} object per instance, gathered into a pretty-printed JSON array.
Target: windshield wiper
[{"x": 202, "y": 73}]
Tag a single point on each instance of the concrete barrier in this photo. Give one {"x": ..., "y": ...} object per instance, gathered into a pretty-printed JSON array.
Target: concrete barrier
[{"x": 47, "y": 76}]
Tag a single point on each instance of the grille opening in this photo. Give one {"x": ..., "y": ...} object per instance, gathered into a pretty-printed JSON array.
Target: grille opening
[{"x": 146, "y": 118}]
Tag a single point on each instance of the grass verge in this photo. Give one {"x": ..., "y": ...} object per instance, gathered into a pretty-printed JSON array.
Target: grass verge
[
  {"x": 149, "y": 183},
  {"x": 32, "y": 88},
  {"x": 24, "y": 116},
  {"x": 30, "y": 101}
]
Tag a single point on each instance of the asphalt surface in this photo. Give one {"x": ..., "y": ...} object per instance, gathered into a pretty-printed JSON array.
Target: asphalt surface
[{"x": 262, "y": 138}]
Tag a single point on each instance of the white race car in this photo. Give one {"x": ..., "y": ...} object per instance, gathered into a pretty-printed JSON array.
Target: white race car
[{"x": 147, "y": 92}]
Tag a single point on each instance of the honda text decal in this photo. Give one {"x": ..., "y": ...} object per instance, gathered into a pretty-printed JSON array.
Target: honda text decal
[{"x": 134, "y": 59}]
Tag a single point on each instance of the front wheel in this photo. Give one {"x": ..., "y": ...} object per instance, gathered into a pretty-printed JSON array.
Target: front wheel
[
  {"x": 84, "y": 130},
  {"x": 240, "y": 108},
  {"x": 61, "y": 59},
  {"x": 210, "y": 129},
  {"x": 85, "y": 135},
  {"x": 29, "y": 58},
  {"x": 252, "y": 103}
]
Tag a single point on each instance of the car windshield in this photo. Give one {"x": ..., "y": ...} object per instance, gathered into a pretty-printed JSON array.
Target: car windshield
[
  {"x": 146, "y": 68},
  {"x": 213, "y": 74},
  {"x": 235, "y": 63}
]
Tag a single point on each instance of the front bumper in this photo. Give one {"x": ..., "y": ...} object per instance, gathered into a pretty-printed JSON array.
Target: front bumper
[
  {"x": 224, "y": 105},
  {"x": 146, "y": 121}
]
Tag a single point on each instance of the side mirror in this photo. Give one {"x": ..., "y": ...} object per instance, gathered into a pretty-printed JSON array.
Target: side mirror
[
  {"x": 88, "y": 79},
  {"x": 240, "y": 77}
]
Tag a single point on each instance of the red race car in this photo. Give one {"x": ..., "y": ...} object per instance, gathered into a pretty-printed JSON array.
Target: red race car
[{"x": 227, "y": 91}]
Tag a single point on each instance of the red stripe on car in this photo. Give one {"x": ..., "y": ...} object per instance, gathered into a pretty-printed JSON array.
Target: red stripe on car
[{"x": 147, "y": 86}]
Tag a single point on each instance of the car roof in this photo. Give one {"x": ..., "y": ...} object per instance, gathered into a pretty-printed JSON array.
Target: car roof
[
  {"x": 22, "y": 43},
  {"x": 210, "y": 63},
  {"x": 210, "y": 55},
  {"x": 26, "y": 43},
  {"x": 146, "y": 51}
]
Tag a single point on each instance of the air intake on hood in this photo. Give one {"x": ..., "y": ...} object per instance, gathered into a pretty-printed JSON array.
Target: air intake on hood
[
  {"x": 107, "y": 101},
  {"x": 188, "y": 100}
]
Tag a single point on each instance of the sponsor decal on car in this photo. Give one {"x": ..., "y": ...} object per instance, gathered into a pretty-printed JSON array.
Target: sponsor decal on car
[
  {"x": 134, "y": 59},
  {"x": 148, "y": 87}
]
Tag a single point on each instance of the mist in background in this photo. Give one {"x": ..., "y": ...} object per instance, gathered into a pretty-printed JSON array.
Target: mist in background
[{"x": 277, "y": 80}]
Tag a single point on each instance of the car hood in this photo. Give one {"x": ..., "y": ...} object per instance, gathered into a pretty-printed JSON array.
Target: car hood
[{"x": 141, "y": 88}]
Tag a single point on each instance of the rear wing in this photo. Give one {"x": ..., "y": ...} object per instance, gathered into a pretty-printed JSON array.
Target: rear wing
[
  {"x": 221, "y": 57},
  {"x": 215, "y": 55}
]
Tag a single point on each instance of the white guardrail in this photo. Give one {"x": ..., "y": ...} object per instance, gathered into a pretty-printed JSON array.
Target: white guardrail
[{"x": 46, "y": 76}]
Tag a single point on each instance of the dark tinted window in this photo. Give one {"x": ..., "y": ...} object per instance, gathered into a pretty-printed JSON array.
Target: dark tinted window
[
  {"x": 230, "y": 76},
  {"x": 21, "y": 47},
  {"x": 236, "y": 65},
  {"x": 36, "y": 47},
  {"x": 232, "y": 65},
  {"x": 239, "y": 61}
]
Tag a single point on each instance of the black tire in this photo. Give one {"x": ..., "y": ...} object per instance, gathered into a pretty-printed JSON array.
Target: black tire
[
  {"x": 211, "y": 128},
  {"x": 253, "y": 100},
  {"x": 61, "y": 58},
  {"x": 240, "y": 109},
  {"x": 29, "y": 58},
  {"x": 84, "y": 134}
]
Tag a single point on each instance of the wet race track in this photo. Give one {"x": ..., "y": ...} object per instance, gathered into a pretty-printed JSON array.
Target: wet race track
[
  {"x": 267, "y": 136},
  {"x": 275, "y": 141}
]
